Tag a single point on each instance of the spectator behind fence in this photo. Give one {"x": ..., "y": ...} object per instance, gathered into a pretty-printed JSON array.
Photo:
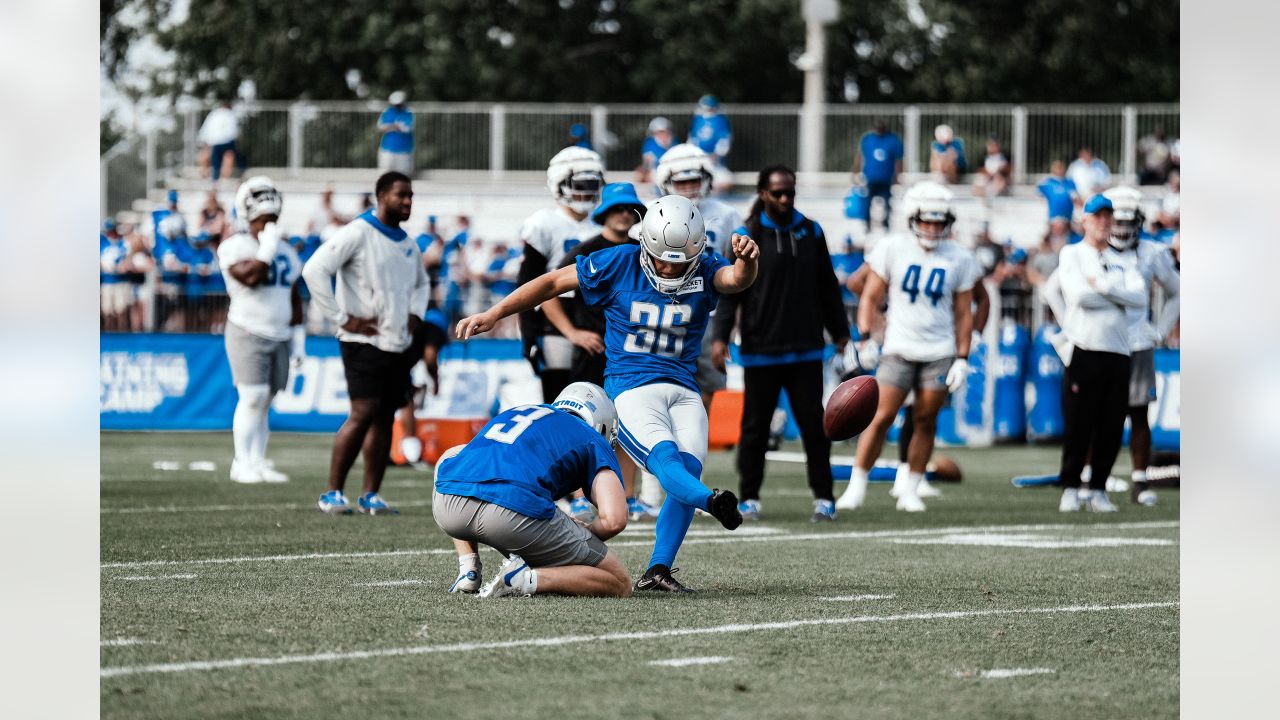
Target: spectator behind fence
[
  {"x": 946, "y": 155},
  {"x": 992, "y": 179},
  {"x": 1045, "y": 258},
  {"x": 1015, "y": 287},
  {"x": 1169, "y": 218},
  {"x": 395, "y": 151},
  {"x": 987, "y": 251},
  {"x": 846, "y": 260},
  {"x": 220, "y": 134},
  {"x": 204, "y": 287},
  {"x": 711, "y": 132},
  {"x": 1155, "y": 155},
  {"x": 1089, "y": 173},
  {"x": 579, "y": 136},
  {"x": 171, "y": 251},
  {"x": 113, "y": 267},
  {"x": 213, "y": 219},
  {"x": 1059, "y": 191},
  {"x": 785, "y": 313},
  {"x": 877, "y": 162},
  {"x": 661, "y": 138}
]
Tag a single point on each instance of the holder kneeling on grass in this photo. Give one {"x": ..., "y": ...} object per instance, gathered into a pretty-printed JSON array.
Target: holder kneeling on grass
[{"x": 500, "y": 490}]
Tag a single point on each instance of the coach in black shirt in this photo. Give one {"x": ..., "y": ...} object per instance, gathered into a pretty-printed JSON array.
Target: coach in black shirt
[{"x": 781, "y": 319}]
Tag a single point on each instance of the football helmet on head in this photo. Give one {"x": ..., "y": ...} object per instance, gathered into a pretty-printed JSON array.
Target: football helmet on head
[
  {"x": 256, "y": 197},
  {"x": 1127, "y": 217},
  {"x": 682, "y": 163},
  {"x": 929, "y": 201},
  {"x": 589, "y": 402},
  {"x": 672, "y": 231},
  {"x": 575, "y": 177}
]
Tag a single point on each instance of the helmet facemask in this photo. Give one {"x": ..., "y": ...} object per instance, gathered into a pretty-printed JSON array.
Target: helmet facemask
[
  {"x": 1126, "y": 224},
  {"x": 704, "y": 184},
  {"x": 581, "y": 191},
  {"x": 927, "y": 239}
]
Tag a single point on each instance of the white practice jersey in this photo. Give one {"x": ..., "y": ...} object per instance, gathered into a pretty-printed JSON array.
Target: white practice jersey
[
  {"x": 1154, "y": 263},
  {"x": 264, "y": 310},
  {"x": 921, "y": 323},
  {"x": 553, "y": 234},
  {"x": 722, "y": 221}
]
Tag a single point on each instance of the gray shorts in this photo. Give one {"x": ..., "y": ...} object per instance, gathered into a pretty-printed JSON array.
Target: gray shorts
[
  {"x": 542, "y": 543},
  {"x": 400, "y": 162},
  {"x": 709, "y": 378},
  {"x": 255, "y": 360},
  {"x": 1142, "y": 378},
  {"x": 907, "y": 374}
]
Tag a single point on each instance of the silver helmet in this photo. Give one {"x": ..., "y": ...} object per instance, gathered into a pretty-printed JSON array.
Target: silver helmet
[
  {"x": 929, "y": 201},
  {"x": 589, "y": 402},
  {"x": 256, "y": 197},
  {"x": 1127, "y": 217},
  {"x": 672, "y": 231},
  {"x": 575, "y": 176}
]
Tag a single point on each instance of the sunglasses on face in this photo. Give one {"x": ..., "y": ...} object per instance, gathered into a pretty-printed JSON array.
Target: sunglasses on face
[{"x": 784, "y": 192}]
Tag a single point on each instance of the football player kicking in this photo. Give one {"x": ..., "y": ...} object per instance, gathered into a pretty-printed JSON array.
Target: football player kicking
[
  {"x": 929, "y": 324},
  {"x": 264, "y": 323},
  {"x": 657, "y": 297},
  {"x": 500, "y": 489}
]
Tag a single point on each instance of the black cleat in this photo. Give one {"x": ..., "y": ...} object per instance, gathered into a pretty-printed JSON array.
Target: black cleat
[
  {"x": 723, "y": 506},
  {"x": 658, "y": 579}
]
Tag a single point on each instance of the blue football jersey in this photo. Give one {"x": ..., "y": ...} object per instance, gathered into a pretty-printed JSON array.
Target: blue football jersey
[
  {"x": 525, "y": 459},
  {"x": 649, "y": 336}
]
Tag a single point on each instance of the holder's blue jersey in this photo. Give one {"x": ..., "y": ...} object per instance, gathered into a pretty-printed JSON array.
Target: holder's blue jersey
[
  {"x": 525, "y": 459},
  {"x": 650, "y": 336}
]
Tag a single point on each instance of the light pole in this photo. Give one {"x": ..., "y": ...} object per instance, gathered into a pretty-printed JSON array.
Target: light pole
[{"x": 817, "y": 15}]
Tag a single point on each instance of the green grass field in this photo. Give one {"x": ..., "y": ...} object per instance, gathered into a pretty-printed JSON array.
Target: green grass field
[{"x": 228, "y": 601}]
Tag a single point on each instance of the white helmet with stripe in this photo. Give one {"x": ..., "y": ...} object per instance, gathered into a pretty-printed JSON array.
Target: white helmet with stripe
[
  {"x": 256, "y": 197},
  {"x": 1127, "y": 216},
  {"x": 930, "y": 202}
]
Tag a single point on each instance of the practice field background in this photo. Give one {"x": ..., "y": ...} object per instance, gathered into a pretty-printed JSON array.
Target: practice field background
[{"x": 228, "y": 601}]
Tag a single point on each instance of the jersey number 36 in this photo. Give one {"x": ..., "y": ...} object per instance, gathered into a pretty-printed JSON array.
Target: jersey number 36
[{"x": 661, "y": 330}]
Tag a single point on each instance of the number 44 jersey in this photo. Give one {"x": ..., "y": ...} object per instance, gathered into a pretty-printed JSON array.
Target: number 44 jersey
[
  {"x": 525, "y": 459},
  {"x": 920, "y": 324}
]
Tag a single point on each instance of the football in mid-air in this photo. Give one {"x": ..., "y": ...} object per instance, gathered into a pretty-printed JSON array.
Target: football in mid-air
[{"x": 851, "y": 408}]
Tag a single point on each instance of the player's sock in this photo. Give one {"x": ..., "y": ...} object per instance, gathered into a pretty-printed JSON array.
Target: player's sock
[
  {"x": 902, "y": 480},
  {"x": 260, "y": 436},
  {"x": 411, "y": 447},
  {"x": 913, "y": 481},
  {"x": 673, "y": 522},
  {"x": 1085, "y": 476},
  {"x": 247, "y": 421},
  {"x": 467, "y": 563},
  {"x": 674, "y": 472},
  {"x": 1140, "y": 479}
]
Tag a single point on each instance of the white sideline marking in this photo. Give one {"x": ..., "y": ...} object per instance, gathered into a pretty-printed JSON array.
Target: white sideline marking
[
  {"x": 856, "y": 598},
  {"x": 686, "y": 662},
  {"x": 726, "y": 537},
  {"x": 1030, "y": 541},
  {"x": 1002, "y": 673},
  {"x": 124, "y": 670},
  {"x": 392, "y": 583},
  {"x": 156, "y": 577},
  {"x": 125, "y": 642},
  {"x": 233, "y": 508}
]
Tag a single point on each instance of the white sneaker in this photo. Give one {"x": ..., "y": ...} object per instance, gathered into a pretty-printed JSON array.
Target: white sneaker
[
  {"x": 247, "y": 473},
  {"x": 1115, "y": 484},
  {"x": 1099, "y": 502},
  {"x": 1070, "y": 501},
  {"x": 467, "y": 582},
  {"x": 514, "y": 579},
  {"x": 270, "y": 474},
  {"x": 852, "y": 497},
  {"x": 910, "y": 503},
  {"x": 925, "y": 490},
  {"x": 1147, "y": 497}
]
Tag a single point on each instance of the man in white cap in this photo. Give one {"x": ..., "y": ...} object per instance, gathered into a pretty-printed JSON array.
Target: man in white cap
[{"x": 395, "y": 152}]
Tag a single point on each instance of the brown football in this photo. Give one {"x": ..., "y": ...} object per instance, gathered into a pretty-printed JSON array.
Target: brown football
[
  {"x": 945, "y": 469},
  {"x": 851, "y": 408}
]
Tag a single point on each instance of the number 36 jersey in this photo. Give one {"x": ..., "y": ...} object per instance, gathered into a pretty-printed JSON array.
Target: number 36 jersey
[
  {"x": 920, "y": 324},
  {"x": 263, "y": 310},
  {"x": 650, "y": 337}
]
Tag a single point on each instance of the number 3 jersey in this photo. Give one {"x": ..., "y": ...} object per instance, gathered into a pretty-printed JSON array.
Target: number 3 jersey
[
  {"x": 650, "y": 336},
  {"x": 264, "y": 310},
  {"x": 525, "y": 459},
  {"x": 920, "y": 324}
]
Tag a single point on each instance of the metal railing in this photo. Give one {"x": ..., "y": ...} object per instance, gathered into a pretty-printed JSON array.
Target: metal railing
[{"x": 495, "y": 138}]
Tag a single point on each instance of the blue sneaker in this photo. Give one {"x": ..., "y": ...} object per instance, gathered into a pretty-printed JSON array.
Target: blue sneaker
[
  {"x": 750, "y": 509},
  {"x": 639, "y": 510},
  {"x": 334, "y": 503},
  {"x": 823, "y": 511},
  {"x": 580, "y": 510},
  {"x": 372, "y": 504}
]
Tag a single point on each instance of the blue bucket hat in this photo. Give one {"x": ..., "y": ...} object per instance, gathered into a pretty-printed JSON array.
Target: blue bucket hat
[
  {"x": 613, "y": 195},
  {"x": 1096, "y": 203}
]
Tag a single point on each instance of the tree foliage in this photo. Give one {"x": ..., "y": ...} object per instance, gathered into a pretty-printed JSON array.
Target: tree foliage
[{"x": 660, "y": 50}]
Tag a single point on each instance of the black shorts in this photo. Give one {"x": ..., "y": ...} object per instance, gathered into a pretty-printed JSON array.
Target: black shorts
[
  {"x": 375, "y": 374},
  {"x": 426, "y": 334}
]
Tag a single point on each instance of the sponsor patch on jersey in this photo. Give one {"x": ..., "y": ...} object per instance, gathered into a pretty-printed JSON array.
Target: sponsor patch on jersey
[{"x": 693, "y": 286}]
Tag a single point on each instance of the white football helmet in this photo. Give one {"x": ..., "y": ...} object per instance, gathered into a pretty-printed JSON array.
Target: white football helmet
[
  {"x": 256, "y": 197},
  {"x": 673, "y": 231},
  {"x": 589, "y": 402},
  {"x": 929, "y": 201},
  {"x": 685, "y": 162},
  {"x": 575, "y": 177},
  {"x": 1127, "y": 216}
]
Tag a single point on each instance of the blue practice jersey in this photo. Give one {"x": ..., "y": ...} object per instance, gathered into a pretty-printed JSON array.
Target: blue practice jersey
[
  {"x": 650, "y": 337},
  {"x": 880, "y": 154},
  {"x": 527, "y": 458},
  {"x": 708, "y": 131},
  {"x": 1059, "y": 194},
  {"x": 394, "y": 140}
]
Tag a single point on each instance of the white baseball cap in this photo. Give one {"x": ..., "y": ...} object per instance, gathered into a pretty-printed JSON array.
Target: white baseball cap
[{"x": 397, "y": 97}]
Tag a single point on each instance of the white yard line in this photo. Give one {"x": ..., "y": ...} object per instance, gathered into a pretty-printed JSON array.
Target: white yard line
[
  {"x": 1002, "y": 673},
  {"x": 722, "y": 537},
  {"x": 392, "y": 583},
  {"x": 744, "y": 531},
  {"x": 856, "y": 598},
  {"x": 125, "y": 642},
  {"x": 207, "y": 665},
  {"x": 150, "y": 578},
  {"x": 687, "y": 661},
  {"x": 234, "y": 508}
]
